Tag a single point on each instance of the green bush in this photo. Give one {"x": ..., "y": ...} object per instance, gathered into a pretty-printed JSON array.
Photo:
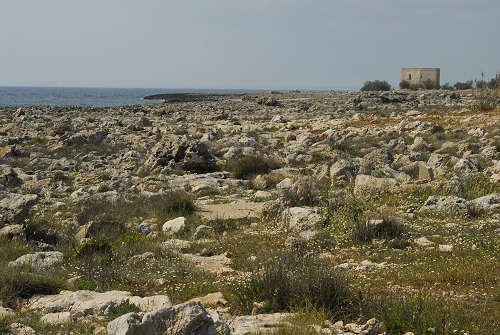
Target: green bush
[
  {"x": 484, "y": 103},
  {"x": 463, "y": 85},
  {"x": 481, "y": 84},
  {"x": 249, "y": 166},
  {"x": 95, "y": 246},
  {"x": 287, "y": 281},
  {"x": 305, "y": 192},
  {"x": 493, "y": 83},
  {"x": 16, "y": 284},
  {"x": 119, "y": 212},
  {"x": 430, "y": 84},
  {"x": 365, "y": 231},
  {"x": 103, "y": 188},
  {"x": 403, "y": 84},
  {"x": 420, "y": 313},
  {"x": 124, "y": 309},
  {"x": 376, "y": 85},
  {"x": 446, "y": 86}
]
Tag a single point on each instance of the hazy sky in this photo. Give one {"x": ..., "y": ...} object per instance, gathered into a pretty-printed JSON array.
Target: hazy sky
[{"x": 243, "y": 44}]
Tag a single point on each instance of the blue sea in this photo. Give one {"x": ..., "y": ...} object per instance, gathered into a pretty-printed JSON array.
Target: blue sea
[{"x": 80, "y": 96}]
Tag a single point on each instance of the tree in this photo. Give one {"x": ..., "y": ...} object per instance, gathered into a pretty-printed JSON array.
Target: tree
[
  {"x": 376, "y": 85},
  {"x": 481, "y": 84},
  {"x": 493, "y": 83},
  {"x": 430, "y": 84},
  {"x": 403, "y": 84},
  {"x": 463, "y": 85},
  {"x": 446, "y": 86}
]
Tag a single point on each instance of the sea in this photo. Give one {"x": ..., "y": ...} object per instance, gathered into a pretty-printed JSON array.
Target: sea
[{"x": 85, "y": 96}]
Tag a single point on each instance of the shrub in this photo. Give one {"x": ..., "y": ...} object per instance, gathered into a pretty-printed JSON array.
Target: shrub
[
  {"x": 103, "y": 188},
  {"x": 493, "y": 83},
  {"x": 288, "y": 281},
  {"x": 39, "y": 140},
  {"x": 430, "y": 84},
  {"x": 251, "y": 165},
  {"x": 376, "y": 85},
  {"x": 446, "y": 86},
  {"x": 463, "y": 85},
  {"x": 119, "y": 212},
  {"x": 304, "y": 192},
  {"x": 484, "y": 103},
  {"x": 420, "y": 313},
  {"x": 94, "y": 246},
  {"x": 389, "y": 228},
  {"x": 124, "y": 309},
  {"x": 36, "y": 229},
  {"x": 481, "y": 84},
  {"x": 15, "y": 285},
  {"x": 403, "y": 84}
]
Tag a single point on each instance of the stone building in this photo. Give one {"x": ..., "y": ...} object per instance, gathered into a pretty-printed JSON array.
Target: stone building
[{"x": 420, "y": 75}]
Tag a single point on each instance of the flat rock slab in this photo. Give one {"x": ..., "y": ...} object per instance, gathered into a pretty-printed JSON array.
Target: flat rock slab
[
  {"x": 39, "y": 260},
  {"x": 233, "y": 210},
  {"x": 261, "y": 323},
  {"x": 83, "y": 302},
  {"x": 218, "y": 264}
]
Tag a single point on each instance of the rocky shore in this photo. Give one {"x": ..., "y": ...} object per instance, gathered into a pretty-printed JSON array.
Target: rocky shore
[{"x": 166, "y": 219}]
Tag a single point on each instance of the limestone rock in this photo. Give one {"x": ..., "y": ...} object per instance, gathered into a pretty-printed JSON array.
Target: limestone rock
[
  {"x": 190, "y": 318},
  {"x": 488, "y": 202},
  {"x": 83, "y": 302},
  {"x": 15, "y": 231},
  {"x": 369, "y": 183},
  {"x": 174, "y": 226},
  {"x": 20, "y": 329},
  {"x": 56, "y": 318},
  {"x": 261, "y": 323},
  {"x": 444, "y": 204},
  {"x": 39, "y": 260},
  {"x": 15, "y": 207},
  {"x": 217, "y": 264},
  {"x": 302, "y": 217}
]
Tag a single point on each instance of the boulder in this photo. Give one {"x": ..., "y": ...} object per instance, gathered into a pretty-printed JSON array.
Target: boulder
[
  {"x": 56, "y": 318},
  {"x": 190, "y": 318},
  {"x": 15, "y": 207},
  {"x": 15, "y": 231},
  {"x": 425, "y": 172},
  {"x": 9, "y": 177},
  {"x": 174, "y": 226},
  {"x": 212, "y": 299},
  {"x": 445, "y": 204},
  {"x": 488, "y": 202},
  {"x": 369, "y": 183},
  {"x": 343, "y": 170},
  {"x": 6, "y": 312},
  {"x": 20, "y": 329},
  {"x": 39, "y": 260},
  {"x": 302, "y": 217}
]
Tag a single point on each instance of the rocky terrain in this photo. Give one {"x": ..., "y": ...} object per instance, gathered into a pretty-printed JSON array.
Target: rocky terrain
[{"x": 291, "y": 213}]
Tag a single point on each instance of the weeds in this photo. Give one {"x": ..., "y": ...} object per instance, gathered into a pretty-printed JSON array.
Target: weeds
[
  {"x": 387, "y": 228},
  {"x": 249, "y": 166},
  {"x": 159, "y": 206},
  {"x": 16, "y": 284},
  {"x": 287, "y": 281}
]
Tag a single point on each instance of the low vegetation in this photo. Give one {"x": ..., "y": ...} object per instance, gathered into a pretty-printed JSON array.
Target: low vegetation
[
  {"x": 376, "y": 85},
  {"x": 290, "y": 280},
  {"x": 249, "y": 166}
]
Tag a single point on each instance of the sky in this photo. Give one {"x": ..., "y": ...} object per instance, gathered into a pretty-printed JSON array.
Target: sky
[{"x": 254, "y": 44}]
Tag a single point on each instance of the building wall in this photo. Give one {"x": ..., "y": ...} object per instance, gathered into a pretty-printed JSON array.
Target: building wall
[{"x": 419, "y": 75}]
